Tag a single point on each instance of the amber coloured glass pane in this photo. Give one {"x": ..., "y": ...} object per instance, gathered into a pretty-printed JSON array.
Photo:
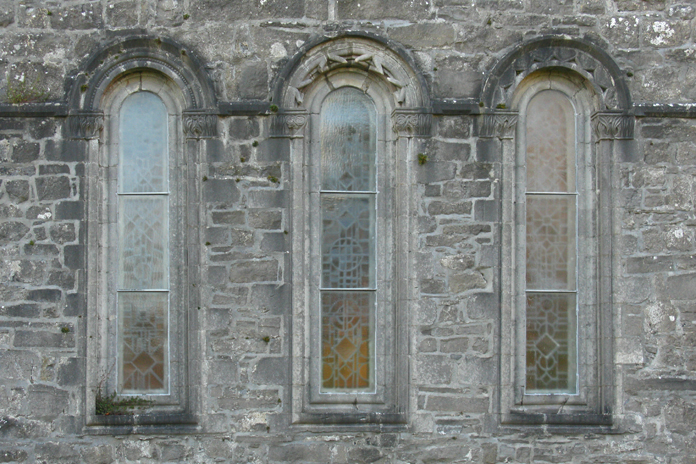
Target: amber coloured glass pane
[
  {"x": 550, "y": 143},
  {"x": 348, "y": 141},
  {"x": 551, "y": 355},
  {"x": 143, "y": 334},
  {"x": 346, "y": 334},
  {"x": 551, "y": 247}
]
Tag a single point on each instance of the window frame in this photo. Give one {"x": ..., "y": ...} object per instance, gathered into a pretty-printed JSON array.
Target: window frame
[
  {"x": 174, "y": 406},
  {"x": 588, "y": 405},
  {"x": 384, "y": 246}
]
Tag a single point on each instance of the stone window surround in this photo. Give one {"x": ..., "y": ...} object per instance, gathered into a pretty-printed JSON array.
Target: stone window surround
[
  {"x": 390, "y": 83},
  {"x": 189, "y": 98},
  {"x": 601, "y": 138}
]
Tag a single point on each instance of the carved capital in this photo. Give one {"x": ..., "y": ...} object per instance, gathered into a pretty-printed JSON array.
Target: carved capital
[
  {"x": 200, "y": 124},
  {"x": 501, "y": 125},
  {"x": 612, "y": 126},
  {"x": 85, "y": 125},
  {"x": 412, "y": 122},
  {"x": 289, "y": 122}
]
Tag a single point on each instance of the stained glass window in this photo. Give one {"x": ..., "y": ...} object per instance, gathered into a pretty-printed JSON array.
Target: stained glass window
[
  {"x": 143, "y": 244},
  {"x": 348, "y": 198},
  {"x": 551, "y": 245}
]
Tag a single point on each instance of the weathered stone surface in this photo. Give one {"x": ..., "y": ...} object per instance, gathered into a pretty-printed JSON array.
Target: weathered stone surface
[{"x": 53, "y": 187}]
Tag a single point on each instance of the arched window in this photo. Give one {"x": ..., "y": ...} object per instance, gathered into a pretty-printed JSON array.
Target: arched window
[
  {"x": 552, "y": 287},
  {"x": 352, "y": 113},
  {"x": 138, "y": 199}
]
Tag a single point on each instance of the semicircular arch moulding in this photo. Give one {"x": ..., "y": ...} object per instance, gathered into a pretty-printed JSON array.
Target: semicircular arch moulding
[
  {"x": 142, "y": 53},
  {"x": 582, "y": 57},
  {"x": 354, "y": 52}
]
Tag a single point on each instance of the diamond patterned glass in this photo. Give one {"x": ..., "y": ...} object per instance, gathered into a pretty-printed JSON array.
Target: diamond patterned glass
[
  {"x": 551, "y": 343},
  {"x": 348, "y": 241},
  {"x": 143, "y": 334},
  {"x": 346, "y": 336},
  {"x": 551, "y": 242},
  {"x": 348, "y": 141},
  {"x": 143, "y": 144},
  {"x": 143, "y": 242},
  {"x": 348, "y": 164},
  {"x": 551, "y": 245},
  {"x": 550, "y": 143}
]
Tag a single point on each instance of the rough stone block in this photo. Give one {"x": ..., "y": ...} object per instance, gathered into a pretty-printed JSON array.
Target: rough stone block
[
  {"x": 25, "y": 152},
  {"x": 46, "y": 294},
  {"x": 28, "y": 338},
  {"x": 424, "y": 35},
  {"x": 53, "y": 187},
  {"x": 17, "y": 190},
  {"x": 12, "y": 231},
  {"x": 254, "y": 271},
  {"x": 221, "y": 191}
]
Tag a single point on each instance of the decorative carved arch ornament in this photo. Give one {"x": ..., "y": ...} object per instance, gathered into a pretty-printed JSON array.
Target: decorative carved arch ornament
[{"x": 371, "y": 56}]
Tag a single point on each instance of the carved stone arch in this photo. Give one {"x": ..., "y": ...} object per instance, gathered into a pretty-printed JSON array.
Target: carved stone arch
[
  {"x": 582, "y": 57},
  {"x": 375, "y": 58},
  {"x": 378, "y": 56},
  {"x": 142, "y": 53}
]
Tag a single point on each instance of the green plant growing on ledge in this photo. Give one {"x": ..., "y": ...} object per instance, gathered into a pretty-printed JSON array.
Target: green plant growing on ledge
[
  {"x": 422, "y": 158},
  {"x": 20, "y": 91},
  {"x": 109, "y": 405}
]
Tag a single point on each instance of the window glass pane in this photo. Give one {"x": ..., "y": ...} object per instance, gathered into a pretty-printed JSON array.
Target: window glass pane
[
  {"x": 143, "y": 337},
  {"x": 347, "y": 251},
  {"x": 348, "y": 141},
  {"x": 551, "y": 247},
  {"x": 143, "y": 144},
  {"x": 346, "y": 340},
  {"x": 143, "y": 242},
  {"x": 551, "y": 347},
  {"x": 550, "y": 143}
]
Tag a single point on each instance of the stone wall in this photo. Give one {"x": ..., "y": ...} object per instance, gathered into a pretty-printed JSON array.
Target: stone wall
[{"x": 242, "y": 387}]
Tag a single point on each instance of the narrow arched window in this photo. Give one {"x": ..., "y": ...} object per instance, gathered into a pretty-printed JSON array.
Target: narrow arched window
[
  {"x": 143, "y": 255},
  {"x": 348, "y": 201},
  {"x": 551, "y": 200}
]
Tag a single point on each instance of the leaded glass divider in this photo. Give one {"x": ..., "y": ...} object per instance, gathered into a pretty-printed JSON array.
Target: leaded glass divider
[
  {"x": 143, "y": 245},
  {"x": 348, "y": 128},
  {"x": 551, "y": 245}
]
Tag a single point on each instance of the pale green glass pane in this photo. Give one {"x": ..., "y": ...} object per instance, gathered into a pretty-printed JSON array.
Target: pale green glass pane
[
  {"x": 348, "y": 141},
  {"x": 143, "y": 341},
  {"x": 347, "y": 247},
  {"x": 143, "y": 242},
  {"x": 551, "y": 343},
  {"x": 551, "y": 242},
  {"x": 550, "y": 143},
  {"x": 347, "y": 340},
  {"x": 143, "y": 144}
]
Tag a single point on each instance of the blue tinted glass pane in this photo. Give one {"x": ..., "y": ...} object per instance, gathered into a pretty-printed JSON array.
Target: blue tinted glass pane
[
  {"x": 143, "y": 150},
  {"x": 348, "y": 141}
]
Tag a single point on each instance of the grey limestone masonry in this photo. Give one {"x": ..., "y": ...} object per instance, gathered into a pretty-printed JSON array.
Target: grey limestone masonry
[{"x": 449, "y": 73}]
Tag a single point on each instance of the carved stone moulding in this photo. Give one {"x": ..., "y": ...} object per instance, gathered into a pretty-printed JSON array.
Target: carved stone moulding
[
  {"x": 412, "y": 122},
  {"x": 289, "y": 122},
  {"x": 358, "y": 55},
  {"x": 613, "y": 126},
  {"x": 85, "y": 125},
  {"x": 501, "y": 125},
  {"x": 200, "y": 124}
]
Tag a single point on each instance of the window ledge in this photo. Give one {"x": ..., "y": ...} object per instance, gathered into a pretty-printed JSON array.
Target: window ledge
[{"x": 170, "y": 423}]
